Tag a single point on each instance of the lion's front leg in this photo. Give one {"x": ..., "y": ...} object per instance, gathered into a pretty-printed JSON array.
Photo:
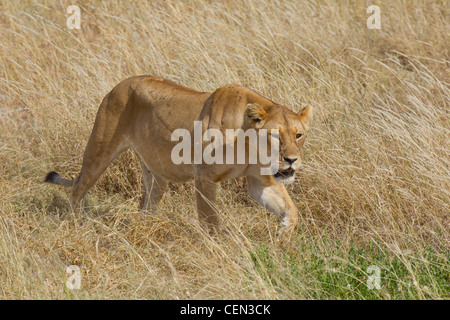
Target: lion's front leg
[
  {"x": 274, "y": 197},
  {"x": 205, "y": 192}
]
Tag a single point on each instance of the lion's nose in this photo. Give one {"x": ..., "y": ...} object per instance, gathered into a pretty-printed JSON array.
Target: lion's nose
[{"x": 290, "y": 160}]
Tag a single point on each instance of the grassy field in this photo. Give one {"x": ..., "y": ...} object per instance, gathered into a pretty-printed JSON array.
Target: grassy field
[{"x": 373, "y": 193}]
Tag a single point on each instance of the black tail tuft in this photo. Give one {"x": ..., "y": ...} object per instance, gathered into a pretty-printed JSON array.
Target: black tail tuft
[
  {"x": 55, "y": 178},
  {"x": 52, "y": 177}
]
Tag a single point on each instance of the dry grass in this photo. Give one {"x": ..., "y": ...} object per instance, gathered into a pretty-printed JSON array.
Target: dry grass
[{"x": 374, "y": 189}]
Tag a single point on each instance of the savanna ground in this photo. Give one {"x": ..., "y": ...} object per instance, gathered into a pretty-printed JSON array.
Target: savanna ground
[{"x": 373, "y": 190}]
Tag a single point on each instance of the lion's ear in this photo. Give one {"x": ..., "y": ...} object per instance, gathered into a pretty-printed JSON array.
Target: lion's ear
[
  {"x": 306, "y": 116},
  {"x": 256, "y": 114}
]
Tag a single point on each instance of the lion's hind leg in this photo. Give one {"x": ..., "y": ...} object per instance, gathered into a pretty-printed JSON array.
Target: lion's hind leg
[
  {"x": 99, "y": 154},
  {"x": 152, "y": 191},
  {"x": 91, "y": 170}
]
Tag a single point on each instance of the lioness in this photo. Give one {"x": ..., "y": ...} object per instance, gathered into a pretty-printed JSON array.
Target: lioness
[{"x": 141, "y": 113}]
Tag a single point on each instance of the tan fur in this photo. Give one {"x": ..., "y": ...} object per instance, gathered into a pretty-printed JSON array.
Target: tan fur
[{"x": 141, "y": 113}]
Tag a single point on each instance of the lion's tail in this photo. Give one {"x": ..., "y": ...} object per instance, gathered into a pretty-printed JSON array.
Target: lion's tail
[{"x": 55, "y": 178}]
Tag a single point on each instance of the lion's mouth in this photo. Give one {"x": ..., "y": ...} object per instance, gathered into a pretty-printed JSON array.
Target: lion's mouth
[{"x": 284, "y": 173}]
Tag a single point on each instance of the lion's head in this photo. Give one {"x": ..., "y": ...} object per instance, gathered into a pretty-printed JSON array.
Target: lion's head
[{"x": 292, "y": 129}]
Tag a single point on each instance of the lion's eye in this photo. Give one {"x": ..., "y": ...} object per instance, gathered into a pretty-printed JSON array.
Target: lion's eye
[{"x": 298, "y": 136}]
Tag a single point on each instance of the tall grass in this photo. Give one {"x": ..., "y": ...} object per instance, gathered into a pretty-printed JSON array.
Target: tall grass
[{"x": 373, "y": 191}]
